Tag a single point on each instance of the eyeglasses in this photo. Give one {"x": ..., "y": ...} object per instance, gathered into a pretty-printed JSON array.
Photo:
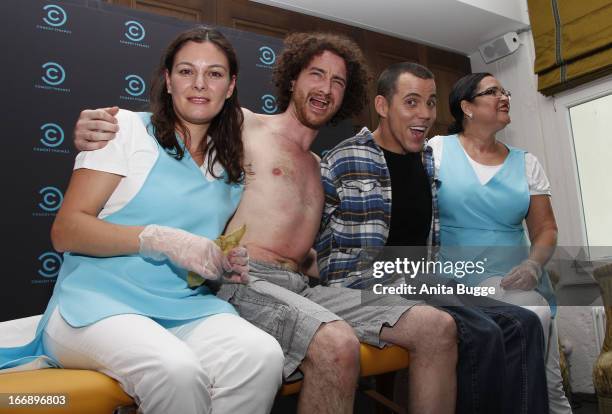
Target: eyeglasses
[{"x": 494, "y": 91}]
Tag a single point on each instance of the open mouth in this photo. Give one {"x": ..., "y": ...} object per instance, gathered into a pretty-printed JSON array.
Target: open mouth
[
  {"x": 504, "y": 108},
  {"x": 418, "y": 131},
  {"x": 319, "y": 103}
]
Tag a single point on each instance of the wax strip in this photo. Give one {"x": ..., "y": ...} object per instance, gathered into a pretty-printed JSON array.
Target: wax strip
[{"x": 226, "y": 242}]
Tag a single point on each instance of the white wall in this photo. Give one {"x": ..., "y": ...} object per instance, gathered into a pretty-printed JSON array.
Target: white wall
[
  {"x": 541, "y": 126},
  {"x": 510, "y": 9}
]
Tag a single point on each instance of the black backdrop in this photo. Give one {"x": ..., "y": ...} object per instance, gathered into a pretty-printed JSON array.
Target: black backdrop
[{"x": 59, "y": 58}]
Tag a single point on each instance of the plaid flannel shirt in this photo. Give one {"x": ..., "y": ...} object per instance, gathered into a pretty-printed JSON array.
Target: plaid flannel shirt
[{"x": 357, "y": 213}]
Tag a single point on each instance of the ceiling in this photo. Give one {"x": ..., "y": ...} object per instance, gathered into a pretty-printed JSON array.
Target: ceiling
[{"x": 456, "y": 25}]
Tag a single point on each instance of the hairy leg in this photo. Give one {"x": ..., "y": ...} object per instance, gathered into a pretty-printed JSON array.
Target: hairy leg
[
  {"x": 431, "y": 337},
  {"x": 330, "y": 369}
]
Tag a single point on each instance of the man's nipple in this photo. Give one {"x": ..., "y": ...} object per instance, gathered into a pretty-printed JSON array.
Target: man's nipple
[{"x": 277, "y": 171}]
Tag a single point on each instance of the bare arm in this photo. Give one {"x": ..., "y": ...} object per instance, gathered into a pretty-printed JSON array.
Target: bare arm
[
  {"x": 95, "y": 127},
  {"x": 78, "y": 229},
  {"x": 542, "y": 228}
]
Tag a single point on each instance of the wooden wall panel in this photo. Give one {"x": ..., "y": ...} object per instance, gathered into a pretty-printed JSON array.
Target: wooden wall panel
[
  {"x": 190, "y": 10},
  {"x": 445, "y": 79},
  {"x": 380, "y": 50},
  {"x": 447, "y": 67},
  {"x": 272, "y": 21},
  {"x": 254, "y": 17}
]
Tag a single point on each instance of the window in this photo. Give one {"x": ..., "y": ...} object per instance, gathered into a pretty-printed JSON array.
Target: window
[{"x": 591, "y": 128}]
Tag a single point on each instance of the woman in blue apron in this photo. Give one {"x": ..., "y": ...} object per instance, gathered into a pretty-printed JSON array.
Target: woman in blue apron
[
  {"x": 486, "y": 190},
  {"x": 137, "y": 216}
]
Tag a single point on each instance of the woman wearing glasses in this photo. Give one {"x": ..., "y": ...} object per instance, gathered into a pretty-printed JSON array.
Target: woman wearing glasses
[{"x": 486, "y": 190}]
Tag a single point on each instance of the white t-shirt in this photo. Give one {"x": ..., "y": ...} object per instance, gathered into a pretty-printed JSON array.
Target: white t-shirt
[
  {"x": 536, "y": 177},
  {"x": 132, "y": 155}
]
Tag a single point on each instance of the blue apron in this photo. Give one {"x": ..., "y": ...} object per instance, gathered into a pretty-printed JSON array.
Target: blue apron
[
  {"x": 89, "y": 289},
  {"x": 485, "y": 221}
]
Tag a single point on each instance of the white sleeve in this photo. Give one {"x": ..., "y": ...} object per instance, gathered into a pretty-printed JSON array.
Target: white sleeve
[
  {"x": 436, "y": 143},
  {"x": 536, "y": 177},
  {"x": 113, "y": 158}
]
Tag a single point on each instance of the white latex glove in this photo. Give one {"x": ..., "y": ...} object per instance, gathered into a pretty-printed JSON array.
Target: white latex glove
[
  {"x": 515, "y": 297},
  {"x": 525, "y": 276},
  {"x": 186, "y": 250}
]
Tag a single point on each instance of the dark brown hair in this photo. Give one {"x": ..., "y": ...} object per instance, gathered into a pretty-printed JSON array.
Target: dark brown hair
[
  {"x": 301, "y": 48},
  {"x": 463, "y": 90},
  {"x": 224, "y": 129},
  {"x": 387, "y": 81}
]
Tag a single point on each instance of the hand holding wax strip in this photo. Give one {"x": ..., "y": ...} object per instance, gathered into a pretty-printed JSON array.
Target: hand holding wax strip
[{"x": 237, "y": 256}]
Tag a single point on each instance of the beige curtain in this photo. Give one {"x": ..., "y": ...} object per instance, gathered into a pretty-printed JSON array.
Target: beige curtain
[{"x": 573, "y": 41}]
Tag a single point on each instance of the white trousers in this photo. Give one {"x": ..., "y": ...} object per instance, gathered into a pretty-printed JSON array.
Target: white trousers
[
  {"x": 221, "y": 364},
  {"x": 557, "y": 401}
]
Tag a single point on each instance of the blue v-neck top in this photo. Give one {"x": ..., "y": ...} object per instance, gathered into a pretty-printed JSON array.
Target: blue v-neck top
[
  {"x": 88, "y": 289},
  {"x": 485, "y": 221}
]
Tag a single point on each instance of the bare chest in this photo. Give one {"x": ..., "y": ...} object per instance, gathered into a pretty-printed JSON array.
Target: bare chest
[{"x": 287, "y": 174}]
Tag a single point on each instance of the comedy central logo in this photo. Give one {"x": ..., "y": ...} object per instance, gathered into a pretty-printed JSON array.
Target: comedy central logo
[
  {"x": 54, "y": 18},
  {"x": 50, "y": 201},
  {"x": 269, "y": 105},
  {"x": 134, "y": 33},
  {"x": 50, "y": 263},
  {"x": 135, "y": 88},
  {"x": 53, "y": 75},
  {"x": 52, "y": 136},
  {"x": 135, "y": 85},
  {"x": 267, "y": 57}
]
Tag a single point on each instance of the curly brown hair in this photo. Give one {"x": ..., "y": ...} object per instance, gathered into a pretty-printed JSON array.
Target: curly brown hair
[
  {"x": 224, "y": 130},
  {"x": 301, "y": 48}
]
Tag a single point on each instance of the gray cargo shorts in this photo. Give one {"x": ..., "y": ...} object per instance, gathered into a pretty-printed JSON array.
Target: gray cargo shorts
[{"x": 280, "y": 302}]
